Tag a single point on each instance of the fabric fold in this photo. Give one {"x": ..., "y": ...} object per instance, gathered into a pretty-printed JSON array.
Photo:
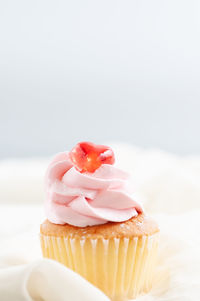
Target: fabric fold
[{"x": 45, "y": 280}]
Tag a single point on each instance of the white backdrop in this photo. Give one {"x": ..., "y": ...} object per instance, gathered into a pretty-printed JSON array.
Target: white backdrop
[{"x": 99, "y": 70}]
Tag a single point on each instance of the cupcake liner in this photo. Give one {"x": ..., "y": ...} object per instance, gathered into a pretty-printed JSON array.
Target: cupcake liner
[{"x": 121, "y": 267}]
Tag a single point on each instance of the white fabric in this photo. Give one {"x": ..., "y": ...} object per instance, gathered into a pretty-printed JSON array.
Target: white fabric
[
  {"x": 45, "y": 280},
  {"x": 171, "y": 186},
  {"x": 23, "y": 274}
]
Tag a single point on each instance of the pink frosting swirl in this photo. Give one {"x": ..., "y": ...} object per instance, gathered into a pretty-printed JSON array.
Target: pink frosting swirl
[{"x": 86, "y": 199}]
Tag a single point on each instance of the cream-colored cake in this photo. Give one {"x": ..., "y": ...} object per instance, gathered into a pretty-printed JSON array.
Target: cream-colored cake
[{"x": 118, "y": 258}]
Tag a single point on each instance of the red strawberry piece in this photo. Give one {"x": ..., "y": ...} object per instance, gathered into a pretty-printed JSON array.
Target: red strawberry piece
[{"x": 87, "y": 156}]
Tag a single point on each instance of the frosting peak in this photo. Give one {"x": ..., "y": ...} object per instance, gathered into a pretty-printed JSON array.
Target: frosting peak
[{"x": 86, "y": 199}]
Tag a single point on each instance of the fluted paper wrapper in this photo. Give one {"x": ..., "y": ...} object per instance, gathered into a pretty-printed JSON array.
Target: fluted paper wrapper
[{"x": 121, "y": 267}]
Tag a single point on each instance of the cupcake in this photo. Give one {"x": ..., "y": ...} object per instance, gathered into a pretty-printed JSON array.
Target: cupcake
[{"x": 94, "y": 224}]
